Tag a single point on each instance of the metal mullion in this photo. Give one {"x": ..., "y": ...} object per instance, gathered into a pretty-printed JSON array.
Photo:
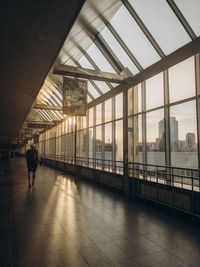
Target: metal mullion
[
  {"x": 103, "y": 133},
  {"x": 96, "y": 87},
  {"x": 197, "y": 79},
  {"x": 55, "y": 112},
  {"x": 90, "y": 95},
  {"x": 124, "y": 46},
  {"x": 182, "y": 19},
  {"x": 49, "y": 114},
  {"x": 38, "y": 115},
  {"x": 113, "y": 133},
  {"x": 118, "y": 38},
  {"x": 144, "y": 135},
  {"x": 54, "y": 97},
  {"x": 45, "y": 115},
  {"x": 108, "y": 53},
  {"x": 143, "y": 28},
  {"x": 94, "y": 134},
  {"x": 95, "y": 67},
  {"x": 125, "y": 142}
]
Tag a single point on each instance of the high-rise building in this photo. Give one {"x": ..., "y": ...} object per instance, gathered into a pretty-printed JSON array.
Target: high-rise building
[
  {"x": 190, "y": 141},
  {"x": 173, "y": 129}
]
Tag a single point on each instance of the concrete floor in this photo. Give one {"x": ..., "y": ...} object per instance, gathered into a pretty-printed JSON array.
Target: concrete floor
[{"x": 64, "y": 221}]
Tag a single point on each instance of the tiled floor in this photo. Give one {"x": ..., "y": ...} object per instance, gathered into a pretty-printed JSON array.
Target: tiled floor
[{"x": 64, "y": 221}]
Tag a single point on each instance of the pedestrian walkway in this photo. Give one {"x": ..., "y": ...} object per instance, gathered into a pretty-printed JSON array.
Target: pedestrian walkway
[{"x": 66, "y": 221}]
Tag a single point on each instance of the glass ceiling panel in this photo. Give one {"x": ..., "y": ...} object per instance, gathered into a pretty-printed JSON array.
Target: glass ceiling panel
[
  {"x": 92, "y": 90},
  {"x": 58, "y": 94},
  {"x": 99, "y": 59},
  {"x": 102, "y": 86},
  {"x": 162, "y": 23},
  {"x": 118, "y": 50},
  {"x": 88, "y": 99},
  {"x": 86, "y": 64},
  {"x": 191, "y": 10},
  {"x": 134, "y": 38}
]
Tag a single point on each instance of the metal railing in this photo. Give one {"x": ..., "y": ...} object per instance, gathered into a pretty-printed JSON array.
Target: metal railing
[
  {"x": 184, "y": 178},
  {"x": 113, "y": 166},
  {"x": 173, "y": 176}
]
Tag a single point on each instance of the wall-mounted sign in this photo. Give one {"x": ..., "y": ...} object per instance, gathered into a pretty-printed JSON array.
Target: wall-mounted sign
[
  {"x": 74, "y": 96},
  {"x": 39, "y": 125}
]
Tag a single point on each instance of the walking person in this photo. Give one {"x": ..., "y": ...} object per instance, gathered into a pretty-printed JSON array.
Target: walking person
[{"x": 32, "y": 159}]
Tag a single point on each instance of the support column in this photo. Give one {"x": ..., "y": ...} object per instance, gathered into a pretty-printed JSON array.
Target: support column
[
  {"x": 125, "y": 143},
  {"x": 197, "y": 76},
  {"x": 167, "y": 125}
]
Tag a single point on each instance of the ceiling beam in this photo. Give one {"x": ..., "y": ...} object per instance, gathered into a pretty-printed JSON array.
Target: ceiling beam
[
  {"x": 48, "y": 107},
  {"x": 89, "y": 74},
  {"x": 174, "y": 58}
]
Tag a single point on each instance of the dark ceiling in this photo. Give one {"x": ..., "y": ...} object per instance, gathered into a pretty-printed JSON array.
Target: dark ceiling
[{"x": 31, "y": 35}]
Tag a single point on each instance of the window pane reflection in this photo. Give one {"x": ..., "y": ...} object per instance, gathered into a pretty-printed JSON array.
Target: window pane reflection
[
  {"x": 183, "y": 135},
  {"x": 155, "y": 137}
]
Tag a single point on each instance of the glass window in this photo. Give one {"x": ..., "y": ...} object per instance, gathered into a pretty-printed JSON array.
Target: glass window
[
  {"x": 155, "y": 137},
  {"x": 182, "y": 80},
  {"x": 118, "y": 106},
  {"x": 102, "y": 86},
  {"x": 137, "y": 97},
  {"x": 108, "y": 145},
  {"x": 99, "y": 114},
  {"x": 98, "y": 142},
  {"x": 130, "y": 139},
  {"x": 162, "y": 24},
  {"x": 130, "y": 100},
  {"x": 137, "y": 127},
  {"x": 108, "y": 110},
  {"x": 134, "y": 38},
  {"x": 91, "y": 140},
  {"x": 118, "y": 50},
  {"x": 91, "y": 118},
  {"x": 119, "y": 139},
  {"x": 190, "y": 10},
  {"x": 92, "y": 90},
  {"x": 183, "y": 135},
  {"x": 99, "y": 59},
  {"x": 154, "y": 91}
]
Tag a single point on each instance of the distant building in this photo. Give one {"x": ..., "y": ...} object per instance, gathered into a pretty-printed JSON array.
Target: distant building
[
  {"x": 190, "y": 141},
  {"x": 173, "y": 133}
]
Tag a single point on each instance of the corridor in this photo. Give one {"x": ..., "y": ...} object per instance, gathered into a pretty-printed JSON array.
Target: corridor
[{"x": 67, "y": 221}]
